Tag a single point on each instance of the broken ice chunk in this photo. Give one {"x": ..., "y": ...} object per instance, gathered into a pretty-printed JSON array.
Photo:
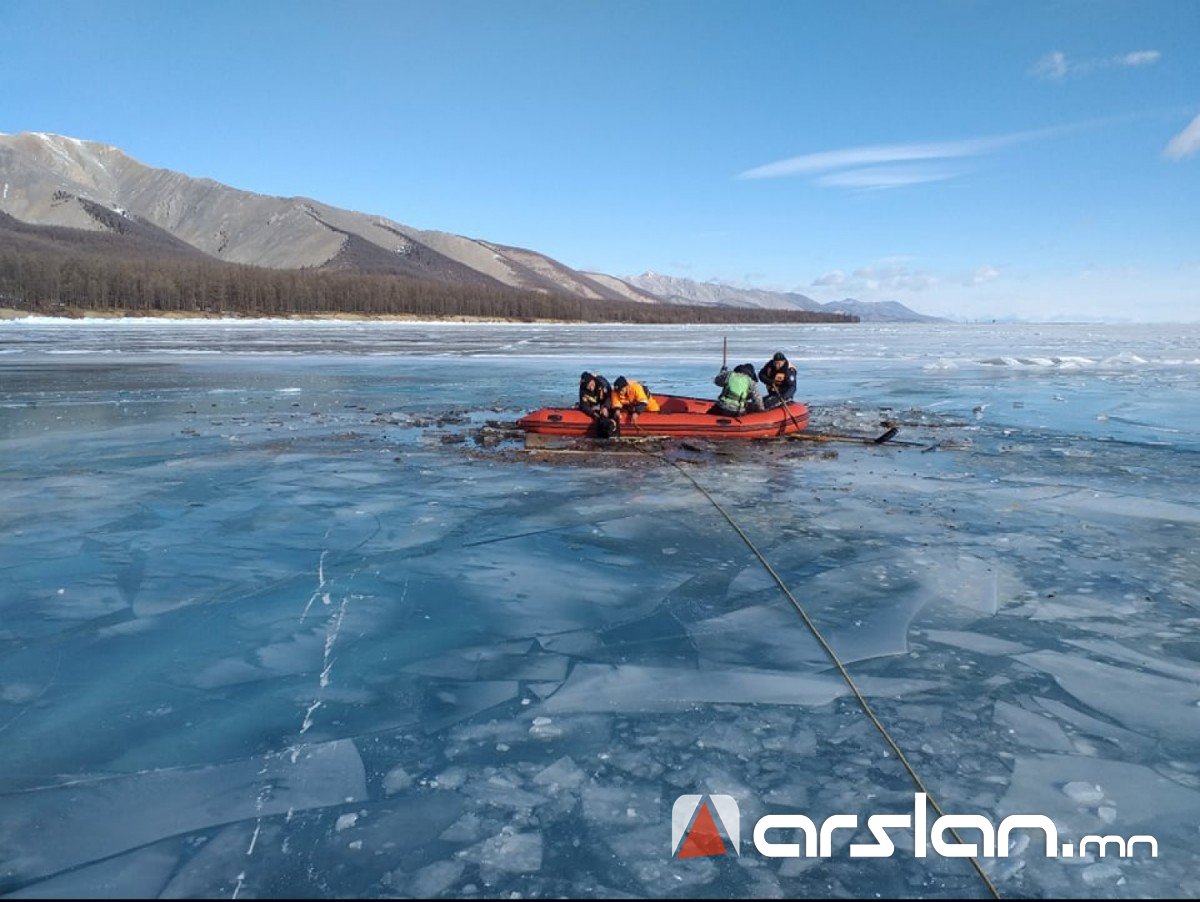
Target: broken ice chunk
[
  {"x": 1083, "y": 793},
  {"x": 518, "y": 853},
  {"x": 563, "y": 773}
]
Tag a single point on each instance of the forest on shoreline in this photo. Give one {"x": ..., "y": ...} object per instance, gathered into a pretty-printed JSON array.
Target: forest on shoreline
[{"x": 53, "y": 271}]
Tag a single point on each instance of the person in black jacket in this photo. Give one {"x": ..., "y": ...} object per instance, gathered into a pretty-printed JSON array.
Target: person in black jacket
[
  {"x": 779, "y": 376},
  {"x": 595, "y": 399}
]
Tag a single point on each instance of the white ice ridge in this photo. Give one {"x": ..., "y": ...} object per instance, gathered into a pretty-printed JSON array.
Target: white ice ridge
[{"x": 45, "y": 831}]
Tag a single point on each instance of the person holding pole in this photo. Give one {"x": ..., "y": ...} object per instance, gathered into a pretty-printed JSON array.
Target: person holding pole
[
  {"x": 739, "y": 393},
  {"x": 779, "y": 376}
]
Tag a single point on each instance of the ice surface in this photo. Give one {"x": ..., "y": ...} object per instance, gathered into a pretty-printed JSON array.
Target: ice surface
[
  {"x": 1071, "y": 790},
  {"x": 986, "y": 645},
  {"x": 259, "y": 582},
  {"x": 563, "y": 774},
  {"x": 1034, "y": 730},
  {"x": 140, "y": 874},
  {"x": 218, "y": 867},
  {"x": 1158, "y": 706},
  {"x": 434, "y": 879},
  {"x": 51, "y": 829},
  {"x": 517, "y": 852},
  {"x": 632, "y": 688}
]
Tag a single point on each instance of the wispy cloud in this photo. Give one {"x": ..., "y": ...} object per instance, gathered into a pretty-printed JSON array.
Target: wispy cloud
[
  {"x": 885, "y": 276},
  {"x": 1055, "y": 65},
  {"x": 894, "y": 165},
  {"x": 1139, "y": 58},
  {"x": 878, "y": 177},
  {"x": 1186, "y": 143},
  {"x": 874, "y": 155}
]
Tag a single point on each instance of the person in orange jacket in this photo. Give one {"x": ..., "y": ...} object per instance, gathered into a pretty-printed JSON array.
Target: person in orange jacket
[{"x": 631, "y": 398}]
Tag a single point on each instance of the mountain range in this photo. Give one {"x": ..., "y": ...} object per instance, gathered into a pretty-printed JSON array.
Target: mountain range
[
  {"x": 52, "y": 180},
  {"x": 673, "y": 289}
]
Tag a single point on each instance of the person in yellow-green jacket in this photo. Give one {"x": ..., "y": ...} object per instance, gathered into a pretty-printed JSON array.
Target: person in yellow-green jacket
[
  {"x": 739, "y": 393},
  {"x": 631, "y": 397}
]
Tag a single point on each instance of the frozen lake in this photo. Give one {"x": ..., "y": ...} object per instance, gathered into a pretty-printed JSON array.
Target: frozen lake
[{"x": 273, "y": 624}]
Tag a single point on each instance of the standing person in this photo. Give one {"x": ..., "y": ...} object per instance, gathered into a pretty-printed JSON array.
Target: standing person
[
  {"x": 631, "y": 397},
  {"x": 779, "y": 376},
  {"x": 740, "y": 392},
  {"x": 595, "y": 399}
]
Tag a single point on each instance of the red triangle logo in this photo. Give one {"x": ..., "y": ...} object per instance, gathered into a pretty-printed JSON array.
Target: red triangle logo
[{"x": 703, "y": 839}]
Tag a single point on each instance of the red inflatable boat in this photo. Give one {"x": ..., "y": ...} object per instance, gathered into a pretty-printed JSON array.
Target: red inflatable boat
[{"x": 676, "y": 418}]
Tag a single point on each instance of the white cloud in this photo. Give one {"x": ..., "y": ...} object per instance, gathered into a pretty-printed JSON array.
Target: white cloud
[
  {"x": 983, "y": 275},
  {"x": 851, "y": 157},
  {"x": 886, "y": 176},
  {"x": 1055, "y": 66},
  {"x": 1186, "y": 143},
  {"x": 1139, "y": 58},
  {"x": 893, "y": 165},
  {"x": 890, "y": 275},
  {"x": 831, "y": 279}
]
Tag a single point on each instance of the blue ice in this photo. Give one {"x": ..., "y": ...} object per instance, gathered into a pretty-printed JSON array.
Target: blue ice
[{"x": 273, "y": 623}]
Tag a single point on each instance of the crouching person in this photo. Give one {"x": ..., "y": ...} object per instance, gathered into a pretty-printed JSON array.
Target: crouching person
[
  {"x": 595, "y": 399},
  {"x": 632, "y": 398},
  {"x": 739, "y": 393}
]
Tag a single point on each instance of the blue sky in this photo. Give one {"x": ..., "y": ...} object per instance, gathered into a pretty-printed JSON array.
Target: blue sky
[{"x": 972, "y": 159}]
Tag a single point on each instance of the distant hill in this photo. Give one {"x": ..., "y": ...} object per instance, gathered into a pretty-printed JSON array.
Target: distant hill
[
  {"x": 678, "y": 290},
  {"x": 686, "y": 291},
  {"x": 72, "y": 189},
  {"x": 131, "y": 267},
  {"x": 59, "y": 181},
  {"x": 880, "y": 312}
]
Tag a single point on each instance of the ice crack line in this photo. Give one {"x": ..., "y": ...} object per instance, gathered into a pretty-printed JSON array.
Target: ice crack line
[
  {"x": 332, "y": 629},
  {"x": 319, "y": 592},
  {"x": 264, "y": 793}
]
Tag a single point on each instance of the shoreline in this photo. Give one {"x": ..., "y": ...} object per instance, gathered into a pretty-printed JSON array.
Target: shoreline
[
  {"x": 12, "y": 314},
  {"x": 9, "y": 314}
]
